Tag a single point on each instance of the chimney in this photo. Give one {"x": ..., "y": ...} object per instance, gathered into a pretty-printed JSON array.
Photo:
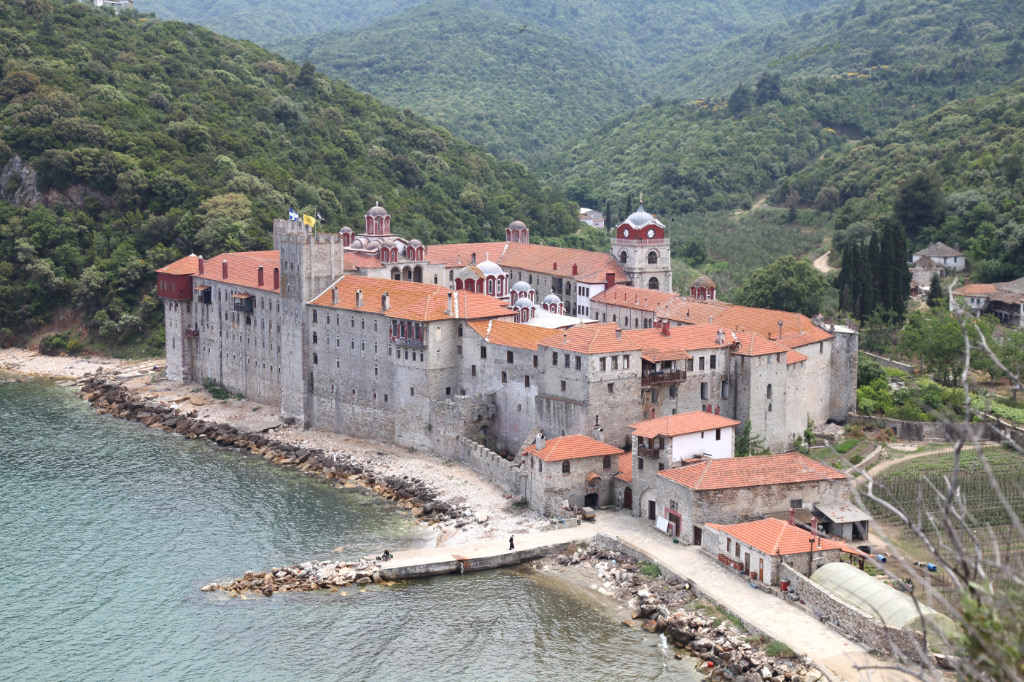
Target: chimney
[
  {"x": 618, "y": 333},
  {"x": 277, "y": 278},
  {"x": 539, "y": 441},
  {"x": 665, "y": 330},
  {"x": 334, "y": 295},
  {"x": 565, "y": 338},
  {"x": 448, "y": 305},
  {"x": 224, "y": 269},
  {"x": 780, "y": 329},
  {"x": 259, "y": 275},
  {"x": 472, "y": 259},
  {"x": 575, "y": 270},
  {"x": 201, "y": 264},
  {"x": 554, "y": 266},
  {"x": 687, "y": 313},
  {"x": 814, "y": 528},
  {"x": 385, "y": 301},
  {"x": 359, "y": 298},
  {"x": 792, "y": 516},
  {"x": 609, "y": 280}
]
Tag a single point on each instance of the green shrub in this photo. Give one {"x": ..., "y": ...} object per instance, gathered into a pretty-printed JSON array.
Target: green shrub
[
  {"x": 777, "y": 649},
  {"x": 649, "y": 569},
  {"x": 64, "y": 342},
  {"x": 216, "y": 390},
  {"x": 845, "y": 446}
]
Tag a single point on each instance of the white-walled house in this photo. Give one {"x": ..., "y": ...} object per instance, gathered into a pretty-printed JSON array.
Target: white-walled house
[
  {"x": 691, "y": 434},
  {"x": 948, "y": 257}
]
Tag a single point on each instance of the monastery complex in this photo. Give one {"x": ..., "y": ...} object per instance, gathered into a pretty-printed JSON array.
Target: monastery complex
[{"x": 493, "y": 347}]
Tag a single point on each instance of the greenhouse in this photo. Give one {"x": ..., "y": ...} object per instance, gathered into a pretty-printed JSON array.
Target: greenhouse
[{"x": 894, "y": 608}]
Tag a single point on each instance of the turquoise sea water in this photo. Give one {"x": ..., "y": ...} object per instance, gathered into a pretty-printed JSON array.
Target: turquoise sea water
[{"x": 108, "y": 530}]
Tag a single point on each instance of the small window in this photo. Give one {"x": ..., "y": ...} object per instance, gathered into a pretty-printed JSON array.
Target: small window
[
  {"x": 718, "y": 434},
  {"x": 796, "y": 504},
  {"x": 725, "y": 390},
  {"x": 412, "y": 391},
  {"x": 565, "y": 467},
  {"x": 472, "y": 370},
  {"x": 661, "y": 466},
  {"x": 640, "y": 463},
  {"x": 673, "y": 392},
  {"x": 604, "y": 362},
  {"x": 534, "y": 360},
  {"x": 625, "y": 362},
  {"x": 703, "y": 390},
  {"x": 769, "y": 391},
  {"x": 689, "y": 364},
  {"x": 579, "y": 363},
  {"x": 563, "y": 386},
  {"x": 713, "y": 361},
  {"x": 504, "y": 377},
  {"x": 615, "y": 362},
  {"x": 314, "y": 317},
  {"x": 611, "y": 388},
  {"x": 737, "y": 550},
  {"x": 460, "y": 330},
  {"x": 508, "y": 356},
  {"x": 554, "y": 359},
  {"x": 540, "y": 466},
  {"x": 483, "y": 352},
  {"x": 448, "y": 390},
  {"x": 314, "y": 337},
  {"x": 460, "y": 350},
  {"x": 527, "y": 382},
  {"x": 315, "y": 360},
  {"x": 567, "y": 361},
  {"x": 728, "y": 545},
  {"x": 606, "y": 463}
]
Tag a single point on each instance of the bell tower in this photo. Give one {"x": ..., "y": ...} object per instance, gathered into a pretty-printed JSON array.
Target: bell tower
[{"x": 643, "y": 250}]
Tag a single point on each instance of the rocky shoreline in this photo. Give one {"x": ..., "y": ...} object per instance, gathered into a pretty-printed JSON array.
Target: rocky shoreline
[
  {"x": 110, "y": 396},
  {"x": 724, "y": 648},
  {"x": 305, "y": 577}
]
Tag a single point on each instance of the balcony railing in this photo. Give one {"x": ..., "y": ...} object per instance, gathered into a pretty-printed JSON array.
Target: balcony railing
[
  {"x": 407, "y": 341},
  {"x": 634, "y": 242},
  {"x": 654, "y": 378},
  {"x": 651, "y": 453}
]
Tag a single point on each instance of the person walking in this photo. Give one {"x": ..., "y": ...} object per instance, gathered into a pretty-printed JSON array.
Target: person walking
[{"x": 511, "y": 545}]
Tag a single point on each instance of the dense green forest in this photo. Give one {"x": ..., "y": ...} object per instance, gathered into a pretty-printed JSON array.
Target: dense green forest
[
  {"x": 126, "y": 142},
  {"x": 265, "y": 21},
  {"x": 956, "y": 175},
  {"x": 522, "y": 77}
]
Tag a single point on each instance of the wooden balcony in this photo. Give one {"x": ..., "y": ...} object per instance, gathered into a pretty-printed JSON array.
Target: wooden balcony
[
  {"x": 650, "y": 453},
  {"x": 655, "y": 378}
]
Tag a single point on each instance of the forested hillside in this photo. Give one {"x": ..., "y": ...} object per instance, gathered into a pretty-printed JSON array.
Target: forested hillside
[
  {"x": 126, "y": 142},
  {"x": 265, "y": 21},
  {"x": 956, "y": 175},
  {"x": 521, "y": 77}
]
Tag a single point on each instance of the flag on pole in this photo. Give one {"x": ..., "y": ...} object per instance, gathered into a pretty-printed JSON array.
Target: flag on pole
[
  {"x": 293, "y": 214},
  {"x": 319, "y": 217},
  {"x": 308, "y": 220}
]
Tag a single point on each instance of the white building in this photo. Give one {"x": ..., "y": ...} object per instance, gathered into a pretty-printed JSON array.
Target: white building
[
  {"x": 946, "y": 256},
  {"x": 592, "y": 217},
  {"x": 688, "y": 435}
]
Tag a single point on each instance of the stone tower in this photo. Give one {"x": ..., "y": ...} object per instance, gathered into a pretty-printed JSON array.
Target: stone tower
[
  {"x": 641, "y": 247},
  {"x": 310, "y": 263}
]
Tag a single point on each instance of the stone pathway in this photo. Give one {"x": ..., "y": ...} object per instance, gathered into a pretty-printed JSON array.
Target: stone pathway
[{"x": 780, "y": 620}]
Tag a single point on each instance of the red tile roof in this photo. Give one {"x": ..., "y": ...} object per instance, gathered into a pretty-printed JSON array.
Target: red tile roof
[
  {"x": 634, "y": 298},
  {"x": 189, "y": 265},
  {"x": 679, "y": 424},
  {"x": 797, "y": 329},
  {"x": 572, "y": 447},
  {"x": 625, "y": 468},
  {"x": 411, "y": 300},
  {"x": 243, "y": 269},
  {"x": 513, "y": 334},
  {"x": 591, "y": 339},
  {"x": 976, "y": 290},
  {"x": 592, "y": 266},
  {"x": 775, "y": 537},
  {"x": 744, "y": 472}
]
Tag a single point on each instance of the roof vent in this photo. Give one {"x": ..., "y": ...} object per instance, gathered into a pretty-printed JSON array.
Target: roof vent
[
  {"x": 385, "y": 301},
  {"x": 202, "y": 262},
  {"x": 224, "y": 269},
  {"x": 259, "y": 276},
  {"x": 618, "y": 333},
  {"x": 334, "y": 295},
  {"x": 565, "y": 338},
  {"x": 359, "y": 298},
  {"x": 539, "y": 441}
]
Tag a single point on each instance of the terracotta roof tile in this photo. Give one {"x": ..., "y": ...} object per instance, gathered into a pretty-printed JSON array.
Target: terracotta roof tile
[
  {"x": 591, "y": 339},
  {"x": 797, "y": 329},
  {"x": 793, "y": 357},
  {"x": 938, "y": 250},
  {"x": 775, "y": 536},
  {"x": 572, "y": 447},
  {"x": 410, "y": 300},
  {"x": 679, "y": 424},
  {"x": 513, "y": 334},
  {"x": 243, "y": 269},
  {"x": 634, "y": 298},
  {"x": 976, "y": 290},
  {"x": 743, "y": 472},
  {"x": 592, "y": 266},
  {"x": 625, "y": 468},
  {"x": 189, "y": 265}
]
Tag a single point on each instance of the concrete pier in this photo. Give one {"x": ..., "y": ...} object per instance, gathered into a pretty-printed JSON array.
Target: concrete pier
[{"x": 482, "y": 555}]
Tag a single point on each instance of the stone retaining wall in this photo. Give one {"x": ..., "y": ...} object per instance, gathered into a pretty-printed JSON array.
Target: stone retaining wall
[
  {"x": 928, "y": 431},
  {"x": 853, "y": 622},
  {"x": 889, "y": 362},
  {"x": 489, "y": 464}
]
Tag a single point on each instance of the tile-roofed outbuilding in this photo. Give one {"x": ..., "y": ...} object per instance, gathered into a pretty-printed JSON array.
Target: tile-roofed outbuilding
[
  {"x": 189, "y": 265},
  {"x": 938, "y": 250},
  {"x": 410, "y": 300},
  {"x": 679, "y": 424},
  {"x": 744, "y": 472},
  {"x": 592, "y": 339},
  {"x": 243, "y": 269},
  {"x": 777, "y": 537},
  {"x": 976, "y": 290},
  {"x": 572, "y": 447},
  {"x": 592, "y": 267}
]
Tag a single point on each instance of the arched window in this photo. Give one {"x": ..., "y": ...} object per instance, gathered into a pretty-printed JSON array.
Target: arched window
[
  {"x": 458, "y": 284},
  {"x": 314, "y": 358},
  {"x": 653, "y": 283},
  {"x": 622, "y": 257},
  {"x": 652, "y": 257},
  {"x": 606, "y": 463},
  {"x": 769, "y": 391},
  {"x": 565, "y": 467},
  {"x": 314, "y": 337},
  {"x": 384, "y": 255},
  {"x": 490, "y": 286}
]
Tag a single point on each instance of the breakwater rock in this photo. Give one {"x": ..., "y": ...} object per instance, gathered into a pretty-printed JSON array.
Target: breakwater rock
[
  {"x": 110, "y": 396},
  {"x": 726, "y": 651},
  {"x": 305, "y": 577}
]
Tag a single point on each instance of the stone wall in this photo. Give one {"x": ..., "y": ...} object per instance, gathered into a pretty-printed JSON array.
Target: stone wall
[
  {"x": 922, "y": 431},
  {"x": 507, "y": 475},
  {"x": 888, "y": 362},
  {"x": 851, "y": 621}
]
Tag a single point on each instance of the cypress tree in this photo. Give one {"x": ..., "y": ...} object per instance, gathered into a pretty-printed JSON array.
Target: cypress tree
[
  {"x": 865, "y": 291},
  {"x": 900, "y": 274},
  {"x": 880, "y": 264}
]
